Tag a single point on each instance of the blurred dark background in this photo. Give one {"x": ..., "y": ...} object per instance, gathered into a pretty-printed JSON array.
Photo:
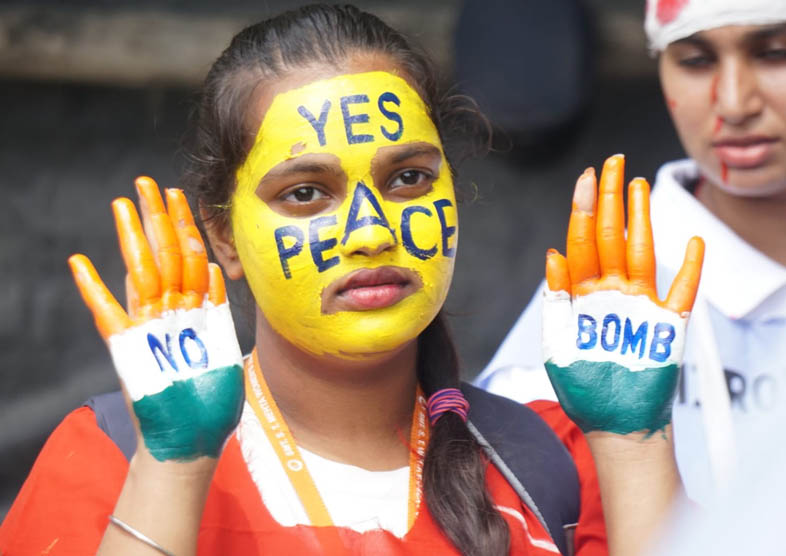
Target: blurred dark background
[{"x": 93, "y": 94}]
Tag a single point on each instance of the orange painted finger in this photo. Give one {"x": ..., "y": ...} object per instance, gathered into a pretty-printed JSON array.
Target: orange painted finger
[
  {"x": 132, "y": 299},
  {"x": 136, "y": 252},
  {"x": 683, "y": 290},
  {"x": 582, "y": 253},
  {"x": 611, "y": 218},
  {"x": 217, "y": 293},
  {"x": 160, "y": 233},
  {"x": 557, "y": 274},
  {"x": 109, "y": 316},
  {"x": 195, "y": 274},
  {"x": 640, "y": 248}
]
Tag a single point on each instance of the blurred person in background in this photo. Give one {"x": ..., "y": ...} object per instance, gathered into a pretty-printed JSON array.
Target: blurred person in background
[{"x": 722, "y": 67}]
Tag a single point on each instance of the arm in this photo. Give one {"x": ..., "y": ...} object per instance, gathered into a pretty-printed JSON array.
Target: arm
[
  {"x": 178, "y": 362},
  {"x": 613, "y": 349}
]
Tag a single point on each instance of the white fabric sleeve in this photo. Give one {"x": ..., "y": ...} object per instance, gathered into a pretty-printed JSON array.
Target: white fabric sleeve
[{"x": 516, "y": 371}]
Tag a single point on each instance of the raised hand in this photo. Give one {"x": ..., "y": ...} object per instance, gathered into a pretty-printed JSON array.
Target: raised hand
[
  {"x": 612, "y": 349},
  {"x": 175, "y": 349}
]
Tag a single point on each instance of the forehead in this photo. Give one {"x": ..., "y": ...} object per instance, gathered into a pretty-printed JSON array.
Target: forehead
[{"x": 350, "y": 115}]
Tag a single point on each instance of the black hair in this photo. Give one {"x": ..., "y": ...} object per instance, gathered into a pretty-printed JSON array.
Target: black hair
[{"x": 454, "y": 467}]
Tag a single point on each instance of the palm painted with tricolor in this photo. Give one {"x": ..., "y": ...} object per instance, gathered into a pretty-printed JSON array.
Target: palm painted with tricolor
[
  {"x": 611, "y": 347},
  {"x": 175, "y": 349}
]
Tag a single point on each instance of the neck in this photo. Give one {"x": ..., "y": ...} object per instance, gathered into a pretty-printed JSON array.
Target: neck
[
  {"x": 761, "y": 221},
  {"x": 354, "y": 412}
]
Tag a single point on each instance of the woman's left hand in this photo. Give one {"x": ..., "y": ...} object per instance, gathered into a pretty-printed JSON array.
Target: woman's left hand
[{"x": 611, "y": 347}]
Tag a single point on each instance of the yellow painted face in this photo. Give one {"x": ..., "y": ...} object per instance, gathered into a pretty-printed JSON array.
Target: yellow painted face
[{"x": 344, "y": 216}]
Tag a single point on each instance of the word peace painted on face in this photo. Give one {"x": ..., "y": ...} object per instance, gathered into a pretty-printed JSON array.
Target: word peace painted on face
[
  {"x": 353, "y": 117},
  {"x": 319, "y": 246},
  {"x": 191, "y": 348},
  {"x": 615, "y": 335}
]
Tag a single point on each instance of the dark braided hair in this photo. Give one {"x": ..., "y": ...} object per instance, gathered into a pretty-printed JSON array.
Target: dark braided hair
[{"x": 454, "y": 468}]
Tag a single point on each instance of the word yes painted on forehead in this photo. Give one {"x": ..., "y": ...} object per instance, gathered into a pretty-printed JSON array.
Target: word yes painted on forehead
[{"x": 352, "y": 117}]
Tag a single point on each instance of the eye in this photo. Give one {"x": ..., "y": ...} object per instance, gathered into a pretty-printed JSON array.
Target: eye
[
  {"x": 772, "y": 54},
  {"x": 699, "y": 61},
  {"x": 304, "y": 194},
  {"x": 411, "y": 178}
]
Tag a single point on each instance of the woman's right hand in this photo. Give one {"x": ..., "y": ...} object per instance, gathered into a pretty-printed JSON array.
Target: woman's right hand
[{"x": 175, "y": 349}]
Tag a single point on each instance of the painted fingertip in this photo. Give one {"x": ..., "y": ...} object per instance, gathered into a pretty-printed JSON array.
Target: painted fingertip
[
  {"x": 696, "y": 248},
  {"x": 145, "y": 181},
  {"x": 123, "y": 209},
  {"x": 584, "y": 193},
  {"x": 77, "y": 262},
  {"x": 639, "y": 183}
]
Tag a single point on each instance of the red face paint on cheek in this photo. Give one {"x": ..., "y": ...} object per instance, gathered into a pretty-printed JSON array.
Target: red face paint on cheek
[
  {"x": 714, "y": 90},
  {"x": 671, "y": 103},
  {"x": 718, "y": 125}
]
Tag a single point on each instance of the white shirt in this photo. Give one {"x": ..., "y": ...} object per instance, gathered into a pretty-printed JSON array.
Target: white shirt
[
  {"x": 746, "y": 296},
  {"x": 355, "y": 498}
]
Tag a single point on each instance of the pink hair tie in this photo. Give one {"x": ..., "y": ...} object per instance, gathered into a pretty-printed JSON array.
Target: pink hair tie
[{"x": 447, "y": 399}]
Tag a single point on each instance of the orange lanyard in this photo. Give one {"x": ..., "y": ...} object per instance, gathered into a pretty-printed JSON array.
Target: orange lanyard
[{"x": 278, "y": 433}]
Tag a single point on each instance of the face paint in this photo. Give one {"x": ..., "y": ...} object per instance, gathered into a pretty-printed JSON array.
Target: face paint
[{"x": 306, "y": 272}]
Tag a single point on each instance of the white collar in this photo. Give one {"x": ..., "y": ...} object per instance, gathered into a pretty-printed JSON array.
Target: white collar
[{"x": 737, "y": 278}]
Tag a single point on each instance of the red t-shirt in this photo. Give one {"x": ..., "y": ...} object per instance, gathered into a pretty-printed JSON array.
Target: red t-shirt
[{"x": 63, "y": 505}]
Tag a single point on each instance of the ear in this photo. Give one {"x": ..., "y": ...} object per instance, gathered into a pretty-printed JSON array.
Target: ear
[{"x": 219, "y": 235}]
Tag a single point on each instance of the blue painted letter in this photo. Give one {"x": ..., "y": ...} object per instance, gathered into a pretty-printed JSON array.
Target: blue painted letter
[
  {"x": 318, "y": 125},
  {"x": 663, "y": 335},
  {"x": 318, "y": 246},
  {"x": 406, "y": 234},
  {"x": 611, "y": 318},
  {"x": 392, "y": 116},
  {"x": 189, "y": 334},
  {"x": 352, "y": 119},
  {"x": 587, "y": 326},
  {"x": 353, "y": 222},
  {"x": 447, "y": 231},
  {"x": 632, "y": 340},
  {"x": 285, "y": 254},
  {"x": 156, "y": 348}
]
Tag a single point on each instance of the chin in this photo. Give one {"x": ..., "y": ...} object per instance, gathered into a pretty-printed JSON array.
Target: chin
[
  {"x": 758, "y": 190},
  {"x": 752, "y": 183}
]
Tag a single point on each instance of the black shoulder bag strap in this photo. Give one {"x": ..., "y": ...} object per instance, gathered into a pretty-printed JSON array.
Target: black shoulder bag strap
[
  {"x": 531, "y": 458},
  {"x": 112, "y": 417}
]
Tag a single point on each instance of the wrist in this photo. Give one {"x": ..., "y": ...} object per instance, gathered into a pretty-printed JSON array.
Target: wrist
[
  {"x": 634, "y": 445},
  {"x": 144, "y": 468}
]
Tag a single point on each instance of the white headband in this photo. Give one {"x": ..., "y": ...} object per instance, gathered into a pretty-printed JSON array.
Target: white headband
[{"x": 671, "y": 20}]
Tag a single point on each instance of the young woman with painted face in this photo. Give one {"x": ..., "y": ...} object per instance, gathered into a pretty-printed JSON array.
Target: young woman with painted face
[
  {"x": 723, "y": 73},
  {"x": 320, "y": 173}
]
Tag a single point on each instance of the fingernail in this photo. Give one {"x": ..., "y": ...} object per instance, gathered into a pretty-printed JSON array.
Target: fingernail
[{"x": 584, "y": 194}]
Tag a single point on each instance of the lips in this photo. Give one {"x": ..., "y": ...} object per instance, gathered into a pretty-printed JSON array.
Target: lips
[
  {"x": 744, "y": 152},
  {"x": 368, "y": 289}
]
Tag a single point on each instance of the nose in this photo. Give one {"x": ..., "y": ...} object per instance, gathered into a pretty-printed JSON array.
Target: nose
[
  {"x": 736, "y": 92},
  {"x": 369, "y": 240}
]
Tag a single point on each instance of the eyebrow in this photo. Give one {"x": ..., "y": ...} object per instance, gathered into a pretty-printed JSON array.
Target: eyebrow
[
  {"x": 302, "y": 167},
  {"x": 411, "y": 151},
  {"x": 768, "y": 32}
]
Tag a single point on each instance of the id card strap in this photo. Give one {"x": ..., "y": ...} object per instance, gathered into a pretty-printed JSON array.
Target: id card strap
[{"x": 277, "y": 431}]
